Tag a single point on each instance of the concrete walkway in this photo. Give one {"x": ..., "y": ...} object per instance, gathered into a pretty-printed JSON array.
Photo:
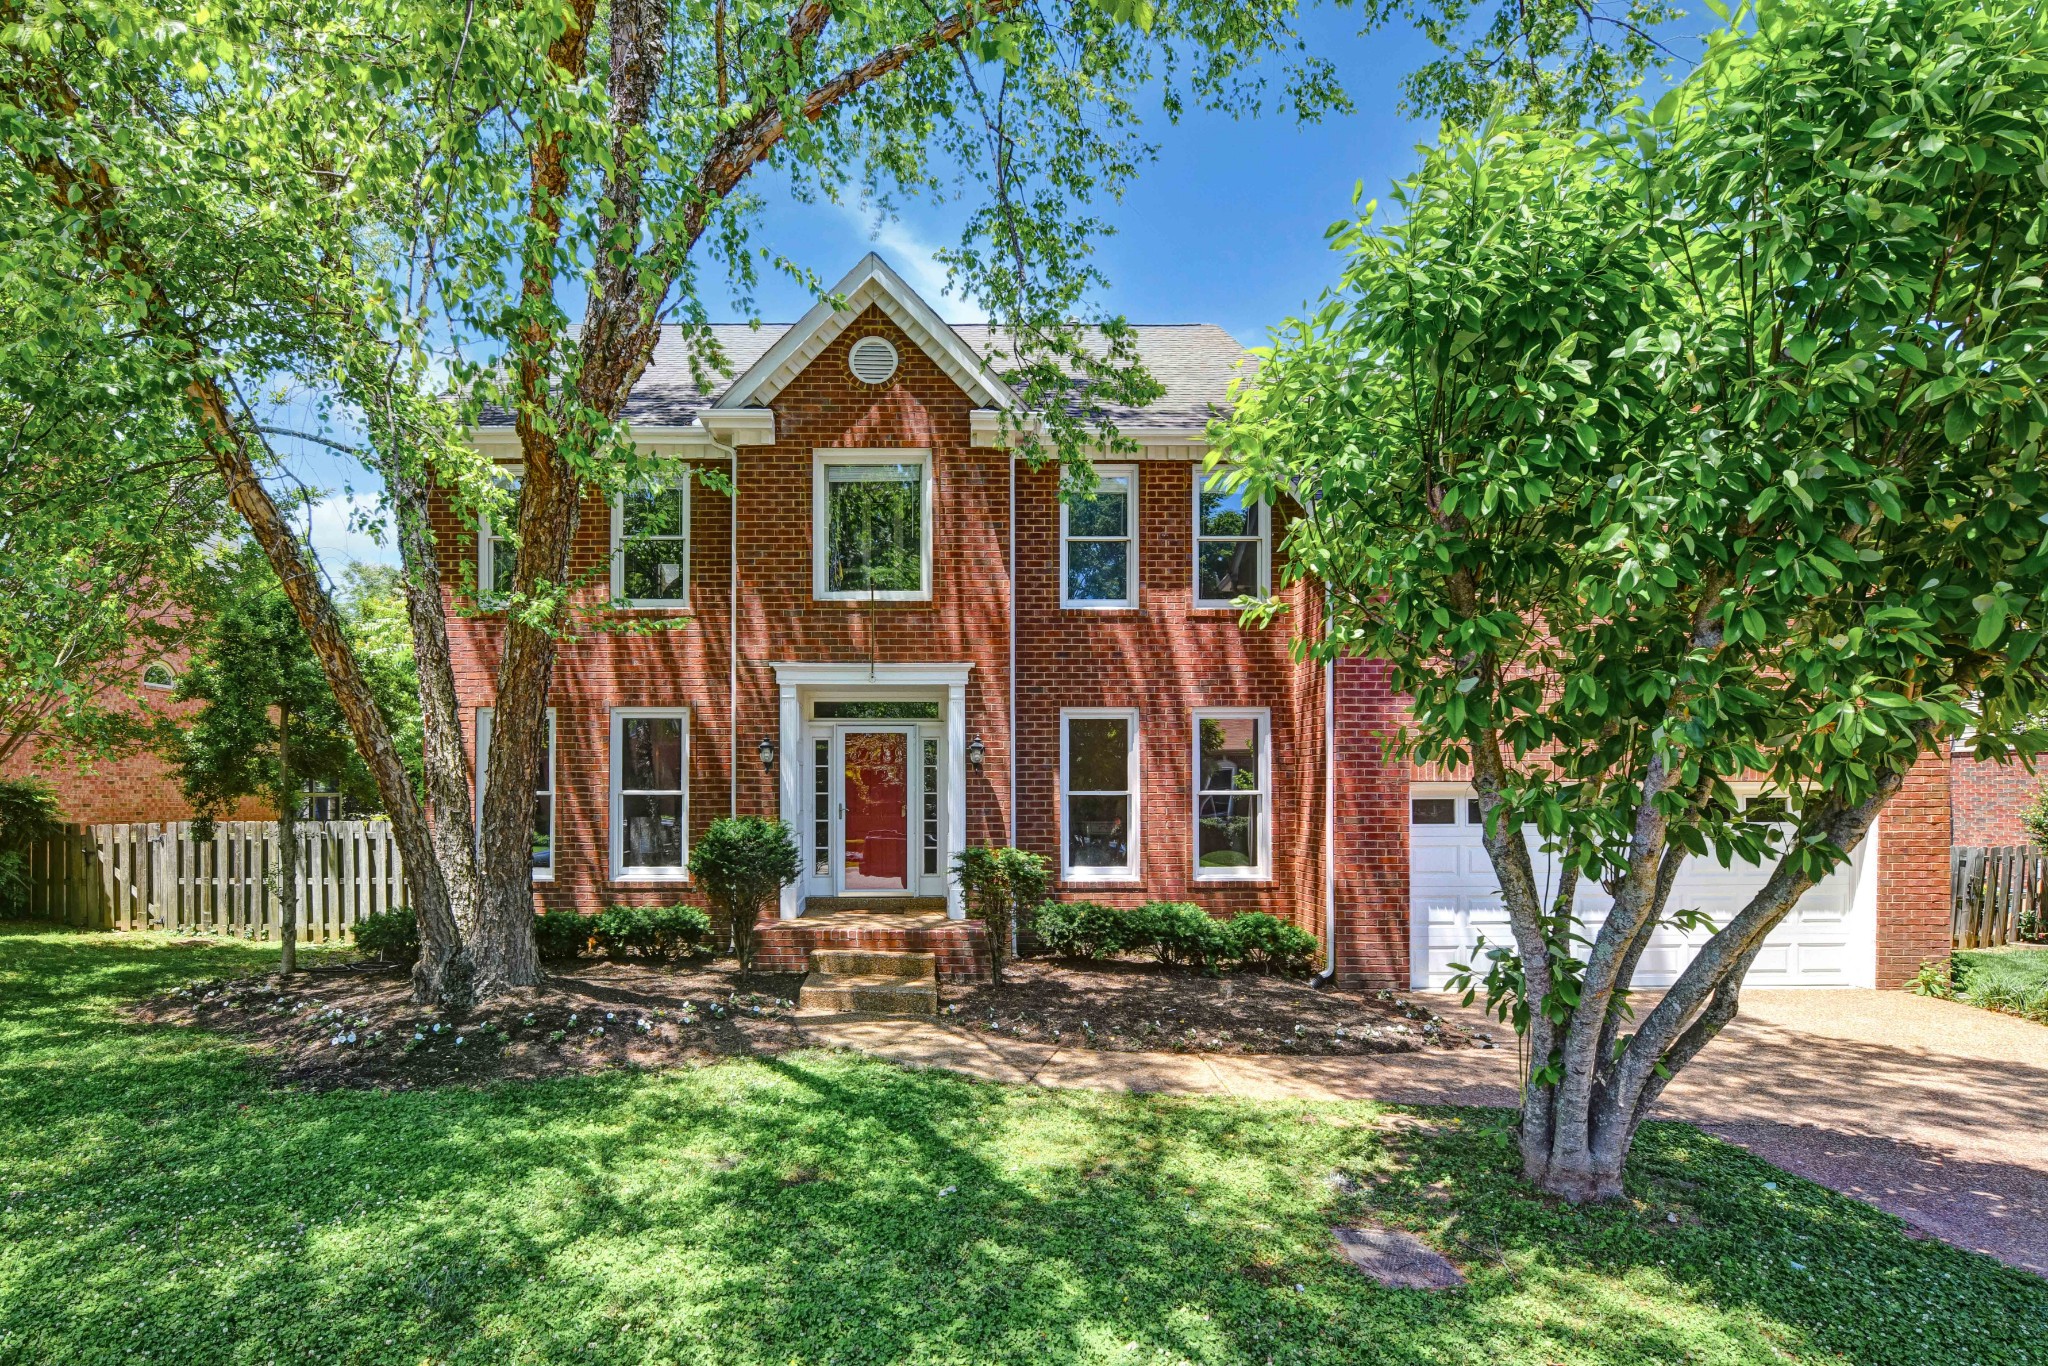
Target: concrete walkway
[{"x": 1930, "y": 1110}]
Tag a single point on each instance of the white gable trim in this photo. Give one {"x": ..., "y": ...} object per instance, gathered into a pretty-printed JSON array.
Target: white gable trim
[{"x": 870, "y": 282}]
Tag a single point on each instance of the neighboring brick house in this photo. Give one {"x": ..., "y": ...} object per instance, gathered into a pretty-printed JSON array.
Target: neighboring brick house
[
  {"x": 137, "y": 786},
  {"x": 895, "y": 636},
  {"x": 1986, "y": 799}
]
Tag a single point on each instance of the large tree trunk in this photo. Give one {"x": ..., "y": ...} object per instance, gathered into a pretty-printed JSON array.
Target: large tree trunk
[
  {"x": 288, "y": 854},
  {"x": 1577, "y": 1130}
]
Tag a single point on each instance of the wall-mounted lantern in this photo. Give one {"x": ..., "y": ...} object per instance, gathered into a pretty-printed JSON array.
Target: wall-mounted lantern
[
  {"x": 767, "y": 750},
  {"x": 976, "y": 752}
]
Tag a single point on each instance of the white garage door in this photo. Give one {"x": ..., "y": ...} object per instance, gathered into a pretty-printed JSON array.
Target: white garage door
[{"x": 1454, "y": 898}]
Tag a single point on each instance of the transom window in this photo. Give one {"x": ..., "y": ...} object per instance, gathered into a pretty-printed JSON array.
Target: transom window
[
  {"x": 543, "y": 793},
  {"x": 872, "y": 525},
  {"x": 497, "y": 558},
  {"x": 649, "y": 797},
  {"x": 651, "y": 546},
  {"x": 1099, "y": 762},
  {"x": 159, "y": 675},
  {"x": 1232, "y": 771},
  {"x": 1099, "y": 542},
  {"x": 1232, "y": 544}
]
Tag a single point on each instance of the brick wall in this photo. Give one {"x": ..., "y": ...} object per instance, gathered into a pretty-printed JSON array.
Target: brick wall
[
  {"x": 1371, "y": 830},
  {"x": 1163, "y": 658},
  {"x": 135, "y": 787},
  {"x": 1913, "y": 874},
  {"x": 1986, "y": 799}
]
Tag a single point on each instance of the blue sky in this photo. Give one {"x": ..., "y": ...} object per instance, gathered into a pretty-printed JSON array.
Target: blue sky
[{"x": 1226, "y": 225}]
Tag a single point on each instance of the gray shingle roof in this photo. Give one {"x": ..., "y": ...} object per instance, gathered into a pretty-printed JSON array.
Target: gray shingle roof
[{"x": 1193, "y": 362}]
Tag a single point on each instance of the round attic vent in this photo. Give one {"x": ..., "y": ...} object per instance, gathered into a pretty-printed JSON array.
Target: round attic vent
[{"x": 872, "y": 360}]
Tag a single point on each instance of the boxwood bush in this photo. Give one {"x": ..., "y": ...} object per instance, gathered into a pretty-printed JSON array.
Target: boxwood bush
[
  {"x": 561, "y": 935},
  {"x": 657, "y": 932},
  {"x": 1176, "y": 932},
  {"x": 393, "y": 936}
]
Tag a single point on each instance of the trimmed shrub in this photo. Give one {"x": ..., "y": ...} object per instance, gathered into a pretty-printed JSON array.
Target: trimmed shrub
[
  {"x": 657, "y": 932},
  {"x": 743, "y": 863},
  {"x": 998, "y": 884},
  {"x": 1270, "y": 942},
  {"x": 393, "y": 936},
  {"x": 561, "y": 936},
  {"x": 1080, "y": 929},
  {"x": 1181, "y": 933}
]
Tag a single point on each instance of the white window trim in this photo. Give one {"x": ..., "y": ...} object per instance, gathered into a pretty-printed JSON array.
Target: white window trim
[
  {"x": 1132, "y": 872},
  {"x": 483, "y": 755},
  {"x": 620, "y": 871},
  {"x": 168, "y": 670},
  {"x": 908, "y": 455},
  {"x": 680, "y": 603},
  {"x": 1263, "y": 872},
  {"x": 1265, "y": 540},
  {"x": 1130, "y": 538},
  {"x": 486, "y": 552}
]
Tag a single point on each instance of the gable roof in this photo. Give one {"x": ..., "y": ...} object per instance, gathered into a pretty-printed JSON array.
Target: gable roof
[{"x": 1193, "y": 362}]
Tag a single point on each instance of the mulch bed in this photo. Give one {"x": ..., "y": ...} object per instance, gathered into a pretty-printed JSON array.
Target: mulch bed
[
  {"x": 1130, "y": 1007},
  {"x": 354, "y": 1024}
]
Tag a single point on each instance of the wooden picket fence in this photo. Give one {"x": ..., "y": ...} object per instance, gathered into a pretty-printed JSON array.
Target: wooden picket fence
[
  {"x": 1996, "y": 892},
  {"x": 159, "y": 877}
]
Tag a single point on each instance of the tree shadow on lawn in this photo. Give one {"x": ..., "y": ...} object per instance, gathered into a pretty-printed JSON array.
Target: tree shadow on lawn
[{"x": 162, "y": 1199}]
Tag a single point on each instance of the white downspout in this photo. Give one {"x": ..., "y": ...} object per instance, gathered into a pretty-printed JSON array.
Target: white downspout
[
  {"x": 1329, "y": 971},
  {"x": 1012, "y": 741},
  {"x": 732, "y": 629}
]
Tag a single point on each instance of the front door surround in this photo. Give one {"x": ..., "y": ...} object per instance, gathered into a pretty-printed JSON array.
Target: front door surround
[{"x": 794, "y": 682}]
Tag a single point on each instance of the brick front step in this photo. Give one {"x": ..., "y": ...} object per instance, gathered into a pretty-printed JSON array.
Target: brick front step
[
  {"x": 867, "y": 963},
  {"x": 869, "y": 994},
  {"x": 958, "y": 948}
]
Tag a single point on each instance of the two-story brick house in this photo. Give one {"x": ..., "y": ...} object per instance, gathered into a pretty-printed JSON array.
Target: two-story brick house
[{"x": 895, "y": 635}]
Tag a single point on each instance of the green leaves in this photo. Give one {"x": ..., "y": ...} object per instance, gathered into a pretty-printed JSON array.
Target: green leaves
[{"x": 1617, "y": 464}]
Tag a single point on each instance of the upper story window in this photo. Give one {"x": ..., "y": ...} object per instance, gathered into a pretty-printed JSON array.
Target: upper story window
[
  {"x": 497, "y": 558},
  {"x": 543, "y": 793},
  {"x": 1233, "y": 773},
  {"x": 159, "y": 675},
  {"x": 1099, "y": 775},
  {"x": 871, "y": 525},
  {"x": 651, "y": 546},
  {"x": 1099, "y": 542},
  {"x": 1232, "y": 545}
]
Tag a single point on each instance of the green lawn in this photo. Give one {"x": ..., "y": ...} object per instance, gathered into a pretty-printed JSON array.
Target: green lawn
[
  {"x": 160, "y": 1201},
  {"x": 2013, "y": 979}
]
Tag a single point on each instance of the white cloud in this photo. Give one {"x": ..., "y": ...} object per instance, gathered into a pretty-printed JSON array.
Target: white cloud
[
  {"x": 914, "y": 257},
  {"x": 340, "y": 525}
]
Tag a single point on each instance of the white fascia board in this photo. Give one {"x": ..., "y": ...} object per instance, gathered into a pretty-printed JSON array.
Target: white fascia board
[
  {"x": 804, "y": 675},
  {"x": 502, "y": 443},
  {"x": 740, "y": 426},
  {"x": 869, "y": 282},
  {"x": 985, "y": 430}
]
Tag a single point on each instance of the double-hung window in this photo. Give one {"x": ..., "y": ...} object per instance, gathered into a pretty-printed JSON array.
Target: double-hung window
[
  {"x": 1233, "y": 774},
  {"x": 651, "y": 546},
  {"x": 871, "y": 525},
  {"x": 543, "y": 855},
  {"x": 649, "y": 797},
  {"x": 497, "y": 557},
  {"x": 1099, "y": 542},
  {"x": 1232, "y": 544},
  {"x": 1099, "y": 769}
]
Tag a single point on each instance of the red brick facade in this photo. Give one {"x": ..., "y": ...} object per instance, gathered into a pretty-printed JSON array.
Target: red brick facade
[
  {"x": 1986, "y": 799},
  {"x": 1164, "y": 658},
  {"x": 135, "y": 787},
  {"x": 1913, "y": 874}
]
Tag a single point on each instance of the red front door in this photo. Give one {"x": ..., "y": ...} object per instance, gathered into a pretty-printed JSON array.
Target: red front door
[{"x": 875, "y": 810}]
